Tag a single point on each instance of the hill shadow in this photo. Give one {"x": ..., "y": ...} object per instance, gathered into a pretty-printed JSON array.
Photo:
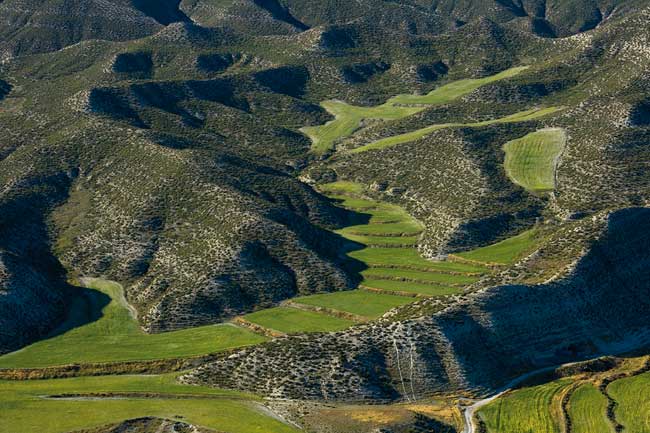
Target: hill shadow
[{"x": 85, "y": 306}]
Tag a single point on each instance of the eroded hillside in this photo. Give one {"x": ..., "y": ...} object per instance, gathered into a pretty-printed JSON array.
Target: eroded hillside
[{"x": 457, "y": 190}]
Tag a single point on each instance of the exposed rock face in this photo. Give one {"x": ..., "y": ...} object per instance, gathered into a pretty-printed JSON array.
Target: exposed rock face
[
  {"x": 480, "y": 344},
  {"x": 149, "y": 425}
]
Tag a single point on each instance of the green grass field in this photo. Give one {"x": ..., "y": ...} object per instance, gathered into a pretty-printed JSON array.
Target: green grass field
[
  {"x": 294, "y": 321},
  {"x": 359, "y": 302},
  {"x": 24, "y": 409},
  {"x": 530, "y": 161},
  {"x": 408, "y": 137},
  {"x": 588, "y": 411},
  {"x": 402, "y": 228},
  {"x": 116, "y": 336},
  {"x": 633, "y": 400},
  {"x": 382, "y": 241},
  {"x": 348, "y": 118},
  {"x": 410, "y": 258},
  {"x": 410, "y": 287},
  {"x": 422, "y": 276},
  {"x": 528, "y": 410},
  {"x": 506, "y": 251}
]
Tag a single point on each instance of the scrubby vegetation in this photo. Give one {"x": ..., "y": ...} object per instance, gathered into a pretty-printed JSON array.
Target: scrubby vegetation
[{"x": 245, "y": 170}]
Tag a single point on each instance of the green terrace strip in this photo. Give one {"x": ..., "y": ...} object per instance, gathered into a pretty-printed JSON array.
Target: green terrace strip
[
  {"x": 411, "y": 259},
  {"x": 382, "y": 241},
  {"x": 531, "y": 160},
  {"x": 633, "y": 400},
  {"x": 161, "y": 396},
  {"x": 525, "y": 410},
  {"x": 588, "y": 411},
  {"x": 506, "y": 251},
  {"x": 348, "y": 118},
  {"x": 294, "y": 321},
  {"x": 359, "y": 302},
  {"x": 116, "y": 336},
  {"x": 522, "y": 116},
  {"x": 418, "y": 276},
  {"x": 427, "y": 289}
]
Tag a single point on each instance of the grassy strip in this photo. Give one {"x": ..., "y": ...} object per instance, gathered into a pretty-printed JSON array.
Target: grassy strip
[
  {"x": 226, "y": 411},
  {"x": 410, "y": 287},
  {"x": 383, "y": 241},
  {"x": 506, "y": 251},
  {"x": 588, "y": 411},
  {"x": 531, "y": 160},
  {"x": 348, "y": 118},
  {"x": 409, "y": 258},
  {"x": 359, "y": 302},
  {"x": 452, "y": 91},
  {"x": 526, "y": 410},
  {"x": 633, "y": 398},
  {"x": 522, "y": 116},
  {"x": 294, "y": 321},
  {"x": 407, "y": 228},
  {"x": 420, "y": 276},
  {"x": 116, "y": 336}
]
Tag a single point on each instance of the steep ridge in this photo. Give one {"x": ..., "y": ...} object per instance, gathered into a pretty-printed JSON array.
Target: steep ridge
[
  {"x": 477, "y": 345},
  {"x": 32, "y": 26}
]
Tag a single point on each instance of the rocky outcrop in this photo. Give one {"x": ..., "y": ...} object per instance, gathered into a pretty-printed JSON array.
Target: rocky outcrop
[
  {"x": 148, "y": 425},
  {"x": 478, "y": 345}
]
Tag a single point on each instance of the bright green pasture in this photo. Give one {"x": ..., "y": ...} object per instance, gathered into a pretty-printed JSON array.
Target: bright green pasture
[
  {"x": 531, "y": 160},
  {"x": 410, "y": 287},
  {"x": 633, "y": 398},
  {"x": 295, "y": 321},
  {"x": 348, "y": 118},
  {"x": 410, "y": 258},
  {"x": 116, "y": 336},
  {"x": 522, "y": 116},
  {"x": 25, "y": 410},
  {"x": 506, "y": 251},
  {"x": 359, "y": 302},
  {"x": 527, "y": 410},
  {"x": 383, "y": 241},
  {"x": 454, "y": 90},
  {"x": 588, "y": 411},
  {"x": 402, "y": 228},
  {"x": 422, "y": 276},
  {"x": 341, "y": 187}
]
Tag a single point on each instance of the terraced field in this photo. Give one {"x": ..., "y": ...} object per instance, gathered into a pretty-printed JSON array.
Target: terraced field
[
  {"x": 359, "y": 302},
  {"x": 633, "y": 398},
  {"x": 580, "y": 403},
  {"x": 116, "y": 336},
  {"x": 96, "y": 401},
  {"x": 349, "y": 118},
  {"x": 506, "y": 251},
  {"x": 531, "y": 410},
  {"x": 588, "y": 411},
  {"x": 293, "y": 321},
  {"x": 531, "y": 160},
  {"x": 394, "y": 272}
]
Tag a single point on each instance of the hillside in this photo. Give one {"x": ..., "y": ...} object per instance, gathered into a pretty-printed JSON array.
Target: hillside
[{"x": 398, "y": 203}]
